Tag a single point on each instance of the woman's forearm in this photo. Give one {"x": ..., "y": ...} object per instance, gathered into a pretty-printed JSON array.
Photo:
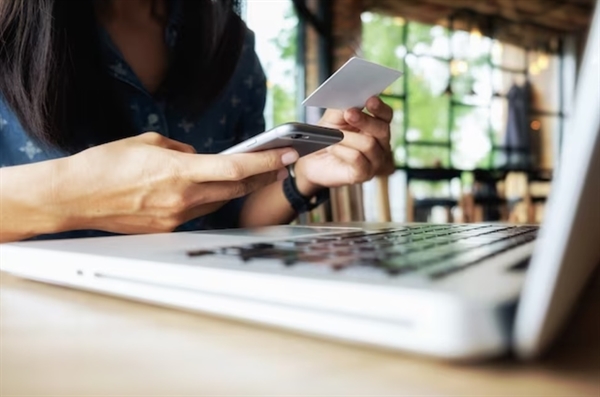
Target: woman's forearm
[
  {"x": 267, "y": 206},
  {"x": 29, "y": 203}
]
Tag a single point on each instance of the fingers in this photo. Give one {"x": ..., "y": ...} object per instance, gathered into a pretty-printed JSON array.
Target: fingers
[
  {"x": 224, "y": 191},
  {"x": 367, "y": 146},
  {"x": 373, "y": 160},
  {"x": 370, "y": 125},
  {"x": 156, "y": 139},
  {"x": 332, "y": 118},
  {"x": 360, "y": 168},
  {"x": 236, "y": 167},
  {"x": 380, "y": 109}
]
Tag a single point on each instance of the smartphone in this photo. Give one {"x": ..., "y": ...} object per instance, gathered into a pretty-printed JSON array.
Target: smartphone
[{"x": 305, "y": 138}]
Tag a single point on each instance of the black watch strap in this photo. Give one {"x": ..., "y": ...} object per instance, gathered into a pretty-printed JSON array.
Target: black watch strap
[{"x": 301, "y": 203}]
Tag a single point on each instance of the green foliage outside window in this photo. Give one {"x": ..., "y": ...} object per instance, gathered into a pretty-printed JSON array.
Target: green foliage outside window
[
  {"x": 429, "y": 128},
  {"x": 284, "y": 109}
]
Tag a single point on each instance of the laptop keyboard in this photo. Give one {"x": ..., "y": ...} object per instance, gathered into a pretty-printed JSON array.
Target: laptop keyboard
[{"x": 434, "y": 251}]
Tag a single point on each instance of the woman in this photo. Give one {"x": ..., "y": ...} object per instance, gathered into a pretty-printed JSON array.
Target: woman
[{"x": 83, "y": 82}]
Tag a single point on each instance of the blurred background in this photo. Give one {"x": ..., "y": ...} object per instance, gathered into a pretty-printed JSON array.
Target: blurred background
[{"x": 481, "y": 111}]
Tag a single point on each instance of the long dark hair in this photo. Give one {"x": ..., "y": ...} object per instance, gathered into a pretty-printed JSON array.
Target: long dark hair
[{"x": 53, "y": 77}]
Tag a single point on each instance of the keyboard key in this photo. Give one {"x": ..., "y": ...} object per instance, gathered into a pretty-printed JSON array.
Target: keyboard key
[{"x": 259, "y": 246}]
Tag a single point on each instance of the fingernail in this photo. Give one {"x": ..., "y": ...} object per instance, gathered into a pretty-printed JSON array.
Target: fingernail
[
  {"x": 289, "y": 157},
  {"x": 375, "y": 103},
  {"x": 282, "y": 174},
  {"x": 353, "y": 116}
]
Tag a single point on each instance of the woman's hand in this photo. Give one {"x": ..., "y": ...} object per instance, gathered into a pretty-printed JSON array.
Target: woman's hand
[
  {"x": 364, "y": 152},
  {"x": 150, "y": 183}
]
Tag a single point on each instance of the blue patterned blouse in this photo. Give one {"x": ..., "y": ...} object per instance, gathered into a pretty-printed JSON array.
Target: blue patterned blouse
[{"x": 235, "y": 115}]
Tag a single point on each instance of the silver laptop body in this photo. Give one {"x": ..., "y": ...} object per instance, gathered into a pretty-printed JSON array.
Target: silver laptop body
[{"x": 450, "y": 291}]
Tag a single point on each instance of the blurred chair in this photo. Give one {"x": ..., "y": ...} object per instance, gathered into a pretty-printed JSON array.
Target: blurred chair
[
  {"x": 538, "y": 190},
  {"x": 419, "y": 209},
  {"x": 489, "y": 200}
]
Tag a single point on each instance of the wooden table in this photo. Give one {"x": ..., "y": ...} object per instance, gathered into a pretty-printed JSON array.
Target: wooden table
[{"x": 60, "y": 342}]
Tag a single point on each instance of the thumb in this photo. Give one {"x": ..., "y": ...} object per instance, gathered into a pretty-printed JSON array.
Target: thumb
[{"x": 333, "y": 118}]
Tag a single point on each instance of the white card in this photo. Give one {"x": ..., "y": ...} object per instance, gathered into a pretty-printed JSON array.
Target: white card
[{"x": 352, "y": 85}]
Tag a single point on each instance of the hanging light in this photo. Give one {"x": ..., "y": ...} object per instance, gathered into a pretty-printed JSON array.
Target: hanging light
[
  {"x": 475, "y": 32},
  {"x": 476, "y": 36},
  {"x": 543, "y": 61},
  {"x": 534, "y": 69},
  {"x": 399, "y": 21},
  {"x": 458, "y": 66}
]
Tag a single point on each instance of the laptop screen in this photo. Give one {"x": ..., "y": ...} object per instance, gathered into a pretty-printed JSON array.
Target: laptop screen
[{"x": 567, "y": 250}]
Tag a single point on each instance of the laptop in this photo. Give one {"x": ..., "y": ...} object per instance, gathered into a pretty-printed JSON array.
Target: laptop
[{"x": 452, "y": 291}]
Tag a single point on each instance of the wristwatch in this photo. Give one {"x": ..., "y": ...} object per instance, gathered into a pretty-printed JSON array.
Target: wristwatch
[{"x": 299, "y": 202}]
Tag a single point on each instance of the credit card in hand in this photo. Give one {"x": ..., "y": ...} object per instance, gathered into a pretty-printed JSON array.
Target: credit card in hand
[{"x": 352, "y": 85}]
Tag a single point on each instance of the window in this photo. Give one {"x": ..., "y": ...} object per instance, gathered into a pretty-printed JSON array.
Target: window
[
  {"x": 451, "y": 104},
  {"x": 275, "y": 26}
]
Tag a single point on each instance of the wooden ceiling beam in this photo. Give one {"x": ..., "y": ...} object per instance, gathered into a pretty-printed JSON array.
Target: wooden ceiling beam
[
  {"x": 527, "y": 23},
  {"x": 562, "y": 15}
]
